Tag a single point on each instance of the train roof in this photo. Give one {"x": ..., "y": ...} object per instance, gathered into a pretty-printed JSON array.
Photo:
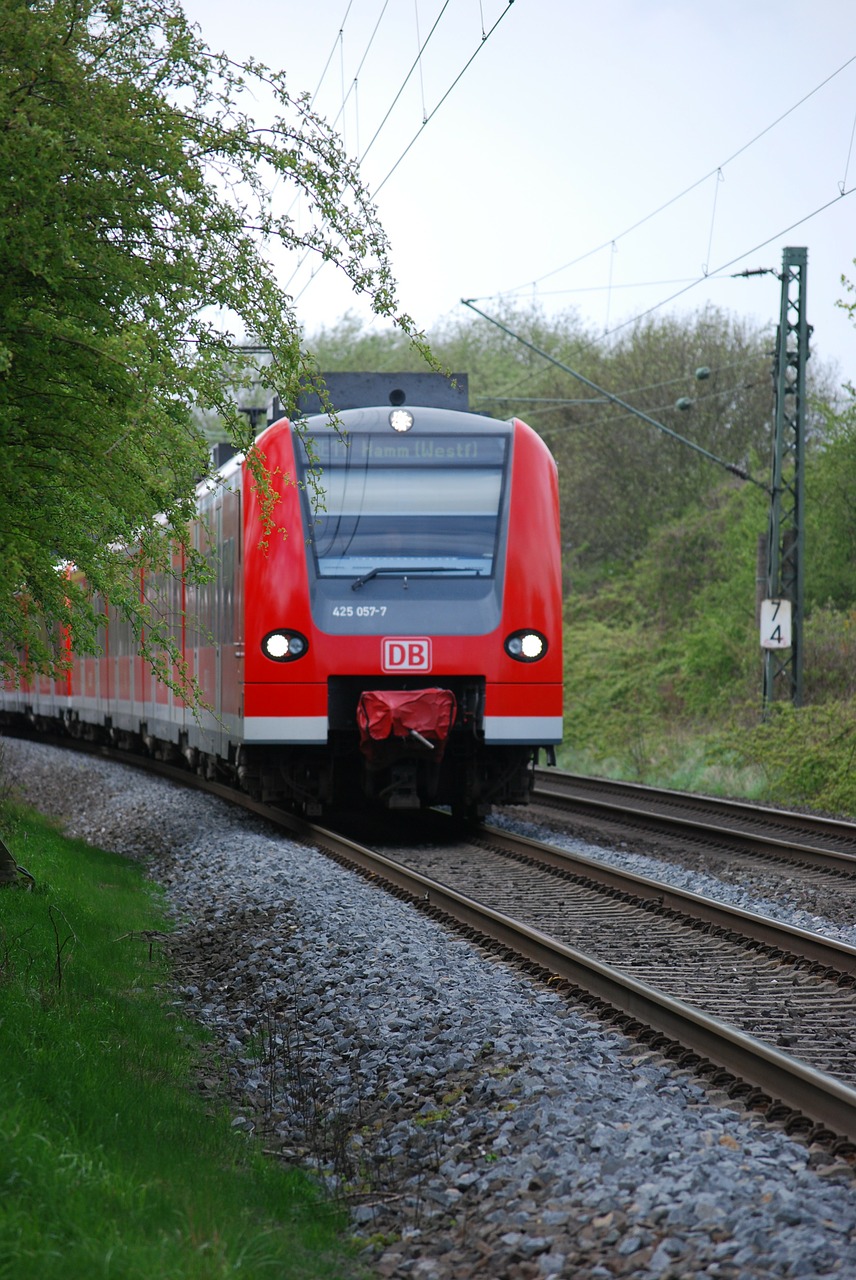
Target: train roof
[
  {"x": 381, "y": 418},
  {"x": 371, "y": 419}
]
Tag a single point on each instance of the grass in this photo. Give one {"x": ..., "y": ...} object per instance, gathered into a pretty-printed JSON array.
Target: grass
[
  {"x": 111, "y": 1164},
  {"x": 679, "y": 759},
  {"x": 802, "y": 757}
]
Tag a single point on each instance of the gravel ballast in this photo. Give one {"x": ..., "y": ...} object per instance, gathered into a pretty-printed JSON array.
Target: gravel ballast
[
  {"x": 475, "y": 1121},
  {"x": 752, "y": 892}
]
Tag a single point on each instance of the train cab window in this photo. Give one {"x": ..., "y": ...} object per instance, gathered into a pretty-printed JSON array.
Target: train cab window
[{"x": 428, "y": 505}]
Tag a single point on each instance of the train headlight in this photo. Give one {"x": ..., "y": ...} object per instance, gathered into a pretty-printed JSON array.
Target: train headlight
[
  {"x": 284, "y": 646},
  {"x": 526, "y": 646},
  {"x": 401, "y": 419}
]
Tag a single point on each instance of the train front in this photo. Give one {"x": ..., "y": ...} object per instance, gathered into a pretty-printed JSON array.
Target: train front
[{"x": 403, "y": 631}]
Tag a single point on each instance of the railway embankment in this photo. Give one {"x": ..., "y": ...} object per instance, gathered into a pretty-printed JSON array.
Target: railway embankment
[{"x": 474, "y": 1121}]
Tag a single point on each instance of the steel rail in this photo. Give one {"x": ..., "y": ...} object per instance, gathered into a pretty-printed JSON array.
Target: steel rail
[
  {"x": 817, "y": 1095},
  {"x": 715, "y": 825},
  {"x": 819, "y": 823},
  {"x": 772, "y": 933}
]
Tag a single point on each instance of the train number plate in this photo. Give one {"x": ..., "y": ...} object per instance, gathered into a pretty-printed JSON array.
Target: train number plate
[{"x": 359, "y": 610}]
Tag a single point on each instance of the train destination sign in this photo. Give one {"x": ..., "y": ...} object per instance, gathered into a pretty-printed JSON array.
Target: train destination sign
[{"x": 407, "y": 451}]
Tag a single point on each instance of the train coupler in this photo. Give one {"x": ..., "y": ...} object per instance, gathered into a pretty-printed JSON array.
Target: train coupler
[{"x": 402, "y": 791}]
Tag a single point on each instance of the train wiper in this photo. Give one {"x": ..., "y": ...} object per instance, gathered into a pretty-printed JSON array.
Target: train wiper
[{"x": 410, "y": 572}]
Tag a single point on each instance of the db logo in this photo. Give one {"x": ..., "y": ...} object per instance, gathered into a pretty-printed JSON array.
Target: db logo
[{"x": 409, "y": 653}]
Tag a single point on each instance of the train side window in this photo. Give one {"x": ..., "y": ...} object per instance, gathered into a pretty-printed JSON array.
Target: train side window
[{"x": 226, "y": 572}]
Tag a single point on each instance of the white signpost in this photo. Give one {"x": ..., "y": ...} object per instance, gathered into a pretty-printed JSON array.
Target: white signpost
[{"x": 775, "y": 624}]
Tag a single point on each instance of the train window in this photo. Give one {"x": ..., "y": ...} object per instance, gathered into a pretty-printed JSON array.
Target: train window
[
  {"x": 424, "y": 503},
  {"x": 227, "y": 577}
]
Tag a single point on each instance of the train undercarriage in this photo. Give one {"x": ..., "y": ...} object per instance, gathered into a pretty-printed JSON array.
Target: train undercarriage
[{"x": 398, "y": 773}]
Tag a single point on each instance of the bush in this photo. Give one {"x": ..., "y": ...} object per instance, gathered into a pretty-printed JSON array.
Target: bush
[
  {"x": 829, "y": 655},
  {"x": 806, "y": 755}
]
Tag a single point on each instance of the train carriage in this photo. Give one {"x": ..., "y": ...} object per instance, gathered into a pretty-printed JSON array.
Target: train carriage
[{"x": 394, "y": 638}]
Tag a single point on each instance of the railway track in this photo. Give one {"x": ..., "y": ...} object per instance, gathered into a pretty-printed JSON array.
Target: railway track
[
  {"x": 765, "y": 1011},
  {"x": 772, "y": 1005},
  {"x": 810, "y": 840}
]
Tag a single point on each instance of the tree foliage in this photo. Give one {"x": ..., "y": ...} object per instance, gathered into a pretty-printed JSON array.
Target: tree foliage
[
  {"x": 624, "y": 478},
  {"x": 830, "y": 513},
  {"x": 136, "y": 216}
]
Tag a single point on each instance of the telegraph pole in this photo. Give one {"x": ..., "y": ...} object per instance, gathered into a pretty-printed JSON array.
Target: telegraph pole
[{"x": 782, "y": 611}]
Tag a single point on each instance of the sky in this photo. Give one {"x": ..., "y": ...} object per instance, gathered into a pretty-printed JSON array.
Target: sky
[{"x": 614, "y": 158}]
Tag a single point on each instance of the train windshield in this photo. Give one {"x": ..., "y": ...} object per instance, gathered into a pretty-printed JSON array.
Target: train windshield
[{"x": 424, "y": 504}]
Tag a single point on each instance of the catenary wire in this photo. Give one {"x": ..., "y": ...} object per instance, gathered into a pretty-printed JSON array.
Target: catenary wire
[
  {"x": 666, "y": 407},
  {"x": 401, "y": 157},
  {"x": 704, "y": 278},
  {"x": 377, "y": 132},
  {"x": 680, "y": 195},
  {"x": 843, "y": 183},
  {"x": 353, "y": 88},
  {"x": 732, "y": 262},
  {"x": 366, "y": 52},
  {"x": 416, "y": 62},
  {"x": 331, "y": 54},
  {"x": 745, "y": 360},
  {"x": 454, "y": 83}
]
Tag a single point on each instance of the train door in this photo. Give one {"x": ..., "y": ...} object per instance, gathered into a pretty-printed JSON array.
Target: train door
[
  {"x": 100, "y": 668},
  {"x": 203, "y": 606},
  {"x": 229, "y": 613},
  {"x": 177, "y": 606},
  {"x": 217, "y": 610}
]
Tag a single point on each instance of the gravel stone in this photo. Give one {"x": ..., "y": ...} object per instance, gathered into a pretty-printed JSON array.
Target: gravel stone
[{"x": 471, "y": 1120}]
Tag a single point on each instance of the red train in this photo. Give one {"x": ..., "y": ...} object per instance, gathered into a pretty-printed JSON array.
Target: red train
[{"x": 399, "y": 643}]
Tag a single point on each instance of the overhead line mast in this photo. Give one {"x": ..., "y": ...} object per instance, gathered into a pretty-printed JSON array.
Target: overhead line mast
[{"x": 786, "y": 536}]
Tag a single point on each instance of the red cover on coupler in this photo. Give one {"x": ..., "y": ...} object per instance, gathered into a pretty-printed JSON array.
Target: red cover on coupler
[{"x": 415, "y": 717}]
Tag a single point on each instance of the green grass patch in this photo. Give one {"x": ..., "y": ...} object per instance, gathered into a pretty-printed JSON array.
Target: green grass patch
[
  {"x": 682, "y": 758},
  {"x": 110, "y": 1164}
]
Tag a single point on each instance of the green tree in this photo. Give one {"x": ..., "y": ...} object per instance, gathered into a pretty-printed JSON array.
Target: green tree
[
  {"x": 623, "y": 479},
  {"x": 831, "y": 513},
  {"x": 136, "y": 213}
]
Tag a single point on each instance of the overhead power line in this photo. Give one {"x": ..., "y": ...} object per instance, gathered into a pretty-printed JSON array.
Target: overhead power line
[
  {"x": 331, "y": 54},
  {"x": 455, "y": 82},
  {"x": 715, "y": 172},
  {"x": 355, "y": 82},
  {"x": 622, "y": 404},
  {"x": 693, "y": 284},
  {"x": 416, "y": 63},
  {"x": 375, "y": 191},
  {"x": 784, "y": 231}
]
